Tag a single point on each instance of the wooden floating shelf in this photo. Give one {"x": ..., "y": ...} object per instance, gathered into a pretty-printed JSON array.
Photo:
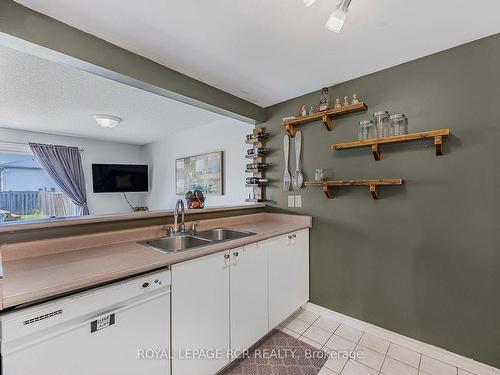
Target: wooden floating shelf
[
  {"x": 375, "y": 143},
  {"x": 324, "y": 116},
  {"x": 373, "y": 184}
]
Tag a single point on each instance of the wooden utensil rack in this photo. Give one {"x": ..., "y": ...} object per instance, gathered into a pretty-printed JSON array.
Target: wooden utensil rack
[
  {"x": 326, "y": 117},
  {"x": 375, "y": 143},
  {"x": 373, "y": 184},
  {"x": 257, "y": 189}
]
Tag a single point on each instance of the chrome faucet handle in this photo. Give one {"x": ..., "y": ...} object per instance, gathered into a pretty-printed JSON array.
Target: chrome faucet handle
[
  {"x": 182, "y": 228},
  {"x": 194, "y": 226},
  {"x": 169, "y": 229}
]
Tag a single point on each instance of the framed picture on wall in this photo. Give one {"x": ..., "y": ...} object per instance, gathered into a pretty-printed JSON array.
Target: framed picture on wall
[{"x": 200, "y": 172}]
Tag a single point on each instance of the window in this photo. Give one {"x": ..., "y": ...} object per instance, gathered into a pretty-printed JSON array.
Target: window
[{"x": 27, "y": 192}]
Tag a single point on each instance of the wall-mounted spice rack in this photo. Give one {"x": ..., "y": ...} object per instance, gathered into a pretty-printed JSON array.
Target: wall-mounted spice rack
[
  {"x": 373, "y": 184},
  {"x": 257, "y": 141},
  {"x": 375, "y": 143},
  {"x": 326, "y": 117}
]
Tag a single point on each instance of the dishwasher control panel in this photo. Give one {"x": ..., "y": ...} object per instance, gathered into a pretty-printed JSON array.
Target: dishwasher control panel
[{"x": 154, "y": 281}]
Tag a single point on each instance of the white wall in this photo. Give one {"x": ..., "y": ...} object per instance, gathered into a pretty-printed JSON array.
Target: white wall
[
  {"x": 227, "y": 135},
  {"x": 95, "y": 152}
]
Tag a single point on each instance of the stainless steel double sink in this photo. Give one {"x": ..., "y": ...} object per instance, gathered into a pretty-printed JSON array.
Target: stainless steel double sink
[{"x": 188, "y": 241}]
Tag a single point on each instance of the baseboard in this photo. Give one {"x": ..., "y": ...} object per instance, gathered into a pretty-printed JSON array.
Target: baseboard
[{"x": 457, "y": 360}]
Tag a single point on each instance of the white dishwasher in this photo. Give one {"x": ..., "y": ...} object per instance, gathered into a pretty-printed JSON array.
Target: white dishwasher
[{"x": 117, "y": 329}]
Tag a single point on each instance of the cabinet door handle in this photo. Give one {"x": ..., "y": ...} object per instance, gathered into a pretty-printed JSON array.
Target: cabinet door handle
[
  {"x": 226, "y": 256},
  {"x": 294, "y": 235},
  {"x": 235, "y": 254},
  {"x": 289, "y": 237}
]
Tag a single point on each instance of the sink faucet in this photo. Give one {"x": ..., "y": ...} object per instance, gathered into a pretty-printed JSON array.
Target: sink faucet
[
  {"x": 179, "y": 228},
  {"x": 194, "y": 226}
]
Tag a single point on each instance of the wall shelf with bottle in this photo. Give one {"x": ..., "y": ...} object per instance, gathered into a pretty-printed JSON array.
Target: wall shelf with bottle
[
  {"x": 326, "y": 117},
  {"x": 373, "y": 184},
  {"x": 258, "y": 155},
  {"x": 258, "y": 166},
  {"x": 255, "y": 170},
  {"x": 375, "y": 143},
  {"x": 256, "y": 137}
]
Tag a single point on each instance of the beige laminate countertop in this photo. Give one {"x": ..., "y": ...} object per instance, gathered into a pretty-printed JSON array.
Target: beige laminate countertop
[{"x": 34, "y": 271}]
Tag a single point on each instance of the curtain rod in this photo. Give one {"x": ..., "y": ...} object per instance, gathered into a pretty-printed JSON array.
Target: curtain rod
[{"x": 26, "y": 144}]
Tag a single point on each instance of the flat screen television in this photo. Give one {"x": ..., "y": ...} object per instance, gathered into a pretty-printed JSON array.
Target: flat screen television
[{"x": 119, "y": 178}]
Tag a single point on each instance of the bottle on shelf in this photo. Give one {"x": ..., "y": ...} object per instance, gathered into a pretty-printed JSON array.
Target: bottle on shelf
[
  {"x": 257, "y": 136},
  {"x": 257, "y": 151},
  {"x": 257, "y": 165},
  {"x": 256, "y": 180}
]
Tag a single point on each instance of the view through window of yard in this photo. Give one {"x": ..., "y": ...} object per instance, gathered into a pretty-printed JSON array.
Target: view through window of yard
[{"x": 27, "y": 192}]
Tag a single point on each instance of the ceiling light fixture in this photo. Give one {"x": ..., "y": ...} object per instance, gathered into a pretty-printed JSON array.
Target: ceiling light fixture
[
  {"x": 337, "y": 18},
  {"x": 309, "y": 2},
  {"x": 107, "y": 121}
]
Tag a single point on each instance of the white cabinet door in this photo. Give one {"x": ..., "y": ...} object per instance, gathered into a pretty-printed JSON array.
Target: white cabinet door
[
  {"x": 200, "y": 313},
  {"x": 249, "y": 296},
  {"x": 288, "y": 274}
]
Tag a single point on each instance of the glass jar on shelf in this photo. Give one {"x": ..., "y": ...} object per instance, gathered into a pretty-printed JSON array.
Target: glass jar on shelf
[
  {"x": 363, "y": 129},
  {"x": 399, "y": 124},
  {"x": 319, "y": 174},
  {"x": 382, "y": 124},
  {"x": 370, "y": 129}
]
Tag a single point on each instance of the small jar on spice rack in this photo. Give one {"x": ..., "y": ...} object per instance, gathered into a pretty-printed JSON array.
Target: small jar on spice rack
[
  {"x": 257, "y": 166},
  {"x": 257, "y": 136},
  {"x": 257, "y": 151},
  {"x": 256, "y": 180}
]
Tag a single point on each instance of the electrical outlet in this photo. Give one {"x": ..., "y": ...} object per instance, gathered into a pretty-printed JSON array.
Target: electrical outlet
[
  {"x": 291, "y": 201},
  {"x": 298, "y": 201}
]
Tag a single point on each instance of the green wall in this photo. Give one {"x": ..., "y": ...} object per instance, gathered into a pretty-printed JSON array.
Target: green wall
[{"x": 424, "y": 260}]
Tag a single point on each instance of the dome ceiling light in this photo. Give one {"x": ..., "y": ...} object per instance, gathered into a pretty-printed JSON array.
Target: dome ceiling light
[{"x": 107, "y": 121}]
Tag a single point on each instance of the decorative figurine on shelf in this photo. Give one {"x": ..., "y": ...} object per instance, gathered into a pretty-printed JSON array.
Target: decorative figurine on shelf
[
  {"x": 311, "y": 110},
  {"x": 303, "y": 111},
  {"x": 337, "y": 104},
  {"x": 355, "y": 99},
  {"x": 346, "y": 101},
  {"x": 324, "y": 102}
]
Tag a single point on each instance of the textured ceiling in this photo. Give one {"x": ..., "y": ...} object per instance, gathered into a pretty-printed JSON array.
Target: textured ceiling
[
  {"x": 43, "y": 96},
  {"x": 268, "y": 51}
]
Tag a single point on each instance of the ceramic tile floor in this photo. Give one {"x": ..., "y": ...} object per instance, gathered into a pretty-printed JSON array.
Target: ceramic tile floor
[{"x": 379, "y": 356}]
